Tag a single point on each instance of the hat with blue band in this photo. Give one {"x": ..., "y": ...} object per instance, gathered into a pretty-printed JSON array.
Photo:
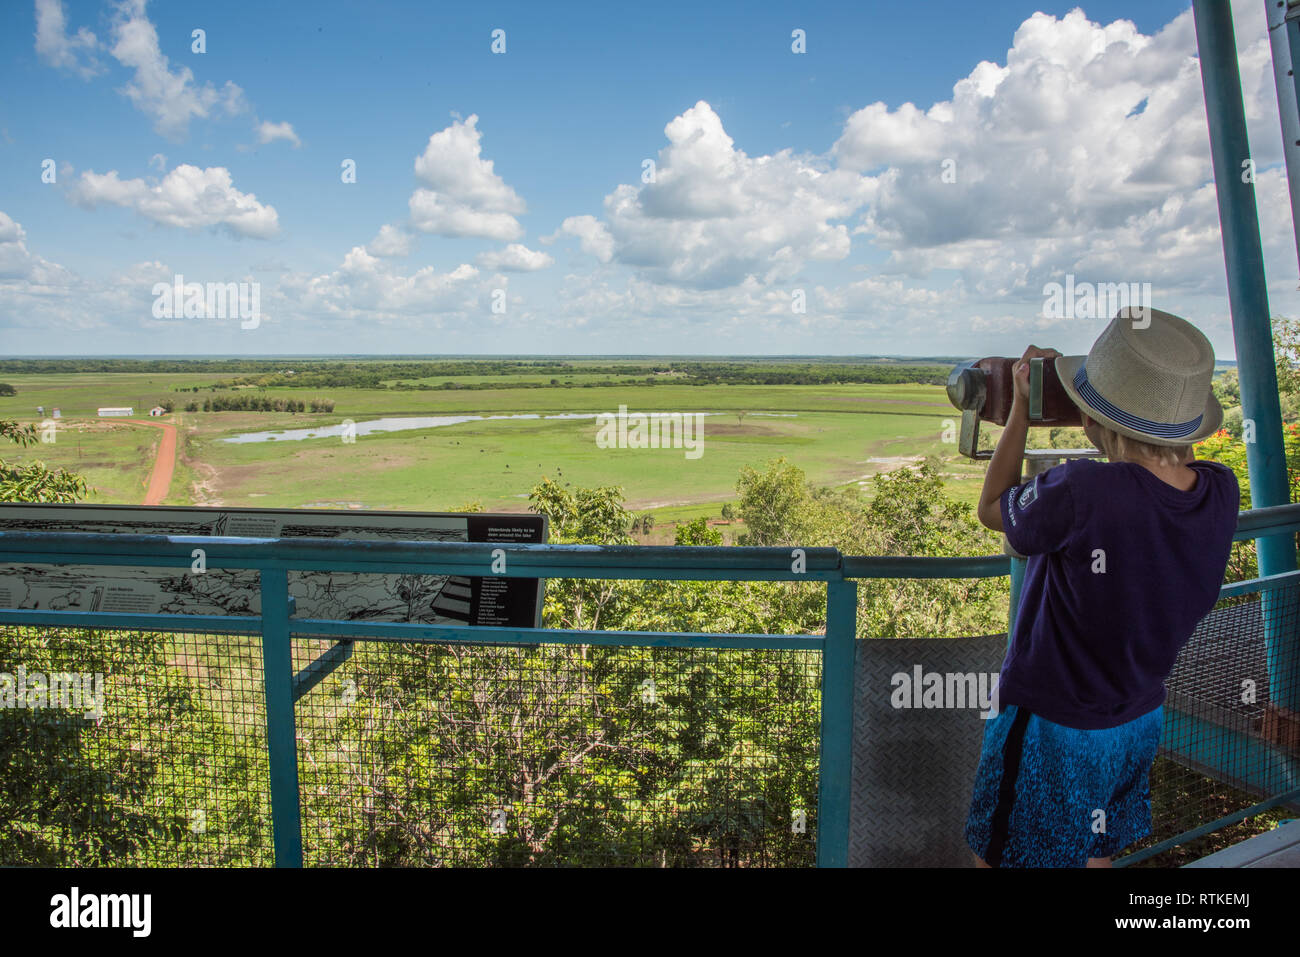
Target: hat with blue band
[{"x": 1148, "y": 377}]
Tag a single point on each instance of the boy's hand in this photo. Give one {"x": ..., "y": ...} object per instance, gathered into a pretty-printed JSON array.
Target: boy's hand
[{"x": 1020, "y": 373}]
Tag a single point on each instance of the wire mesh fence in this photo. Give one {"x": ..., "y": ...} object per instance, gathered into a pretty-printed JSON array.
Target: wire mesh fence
[
  {"x": 561, "y": 755},
  {"x": 1232, "y": 728},
  {"x": 128, "y": 748},
  {"x": 149, "y": 749}
]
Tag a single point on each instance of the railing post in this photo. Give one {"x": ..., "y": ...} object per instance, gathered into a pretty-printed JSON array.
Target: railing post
[
  {"x": 1018, "y": 566},
  {"x": 834, "y": 779},
  {"x": 281, "y": 740},
  {"x": 1252, "y": 330}
]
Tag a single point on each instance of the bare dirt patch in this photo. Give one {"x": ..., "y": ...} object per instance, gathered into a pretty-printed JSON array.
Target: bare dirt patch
[{"x": 204, "y": 487}]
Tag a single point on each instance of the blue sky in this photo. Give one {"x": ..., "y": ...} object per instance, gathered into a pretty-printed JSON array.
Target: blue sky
[{"x": 1074, "y": 142}]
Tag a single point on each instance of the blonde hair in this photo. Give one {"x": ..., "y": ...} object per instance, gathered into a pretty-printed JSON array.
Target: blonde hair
[{"x": 1125, "y": 448}]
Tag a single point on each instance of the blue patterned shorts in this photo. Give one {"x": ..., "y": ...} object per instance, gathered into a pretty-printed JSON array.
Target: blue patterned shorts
[{"x": 1050, "y": 796}]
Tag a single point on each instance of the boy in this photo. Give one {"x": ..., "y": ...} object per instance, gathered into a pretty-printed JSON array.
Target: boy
[{"x": 1125, "y": 557}]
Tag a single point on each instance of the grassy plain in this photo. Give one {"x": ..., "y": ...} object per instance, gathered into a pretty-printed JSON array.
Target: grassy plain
[{"x": 839, "y": 435}]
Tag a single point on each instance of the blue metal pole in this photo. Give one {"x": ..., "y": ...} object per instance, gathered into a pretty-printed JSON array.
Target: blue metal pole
[
  {"x": 1251, "y": 326},
  {"x": 1281, "y": 39},
  {"x": 1018, "y": 566},
  {"x": 281, "y": 743},
  {"x": 837, "y": 724}
]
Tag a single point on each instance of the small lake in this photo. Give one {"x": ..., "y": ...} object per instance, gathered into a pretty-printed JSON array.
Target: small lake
[{"x": 407, "y": 422}]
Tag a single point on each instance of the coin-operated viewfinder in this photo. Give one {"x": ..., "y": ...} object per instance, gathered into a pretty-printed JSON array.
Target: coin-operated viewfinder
[{"x": 983, "y": 389}]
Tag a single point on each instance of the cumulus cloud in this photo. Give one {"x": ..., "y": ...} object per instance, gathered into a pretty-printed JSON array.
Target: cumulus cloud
[
  {"x": 19, "y": 265},
  {"x": 391, "y": 241},
  {"x": 170, "y": 96},
  {"x": 10, "y": 231},
  {"x": 514, "y": 258},
  {"x": 43, "y": 301},
  {"x": 714, "y": 216},
  {"x": 188, "y": 197},
  {"x": 364, "y": 286},
  {"x": 1085, "y": 152},
  {"x": 593, "y": 235},
  {"x": 57, "y": 47},
  {"x": 465, "y": 197},
  {"x": 268, "y": 132},
  {"x": 750, "y": 308}
]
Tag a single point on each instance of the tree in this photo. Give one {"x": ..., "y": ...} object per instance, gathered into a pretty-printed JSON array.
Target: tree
[
  {"x": 1228, "y": 447},
  {"x": 774, "y": 504},
  {"x": 127, "y": 788},
  {"x": 7, "y": 389},
  {"x": 35, "y": 482},
  {"x": 909, "y": 514},
  {"x": 586, "y": 516},
  {"x": 1227, "y": 388}
]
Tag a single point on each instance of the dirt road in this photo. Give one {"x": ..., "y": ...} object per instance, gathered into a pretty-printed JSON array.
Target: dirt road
[{"x": 160, "y": 480}]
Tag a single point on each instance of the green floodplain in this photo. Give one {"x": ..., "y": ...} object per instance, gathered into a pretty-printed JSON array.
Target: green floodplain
[{"x": 840, "y": 420}]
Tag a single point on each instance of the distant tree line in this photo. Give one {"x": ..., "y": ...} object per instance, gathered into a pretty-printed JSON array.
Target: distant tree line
[
  {"x": 412, "y": 374},
  {"x": 248, "y": 402},
  {"x": 381, "y": 376}
]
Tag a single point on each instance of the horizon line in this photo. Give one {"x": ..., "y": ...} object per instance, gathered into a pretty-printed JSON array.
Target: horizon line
[{"x": 498, "y": 356}]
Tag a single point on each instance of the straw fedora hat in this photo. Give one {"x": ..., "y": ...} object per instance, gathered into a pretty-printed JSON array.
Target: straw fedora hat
[{"x": 1150, "y": 382}]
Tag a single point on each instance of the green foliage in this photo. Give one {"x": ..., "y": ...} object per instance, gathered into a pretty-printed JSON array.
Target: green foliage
[
  {"x": 1223, "y": 447},
  {"x": 587, "y": 516},
  {"x": 1227, "y": 388},
  {"x": 1286, "y": 354},
  {"x": 775, "y": 505},
  {"x": 908, "y": 514},
  {"x": 249, "y": 402},
  {"x": 697, "y": 532},
  {"x": 158, "y": 779},
  {"x": 34, "y": 482}
]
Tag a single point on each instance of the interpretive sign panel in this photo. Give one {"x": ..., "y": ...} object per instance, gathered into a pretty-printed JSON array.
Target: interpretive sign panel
[{"x": 428, "y": 599}]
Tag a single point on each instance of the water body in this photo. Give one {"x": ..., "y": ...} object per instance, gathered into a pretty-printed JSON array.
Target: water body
[
  {"x": 386, "y": 425},
  {"x": 402, "y": 424}
]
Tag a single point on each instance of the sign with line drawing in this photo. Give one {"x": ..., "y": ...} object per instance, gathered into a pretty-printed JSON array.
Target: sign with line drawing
[{"x": 426, "y": 599}]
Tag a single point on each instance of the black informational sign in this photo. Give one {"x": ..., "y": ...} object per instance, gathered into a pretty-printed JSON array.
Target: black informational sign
[{"x": 427, "y": 599}]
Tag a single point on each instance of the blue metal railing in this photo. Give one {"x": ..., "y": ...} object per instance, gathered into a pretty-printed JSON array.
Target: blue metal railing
[
  {"x": 274, "y": 558},
  {"x": 276, "y": 623}
]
